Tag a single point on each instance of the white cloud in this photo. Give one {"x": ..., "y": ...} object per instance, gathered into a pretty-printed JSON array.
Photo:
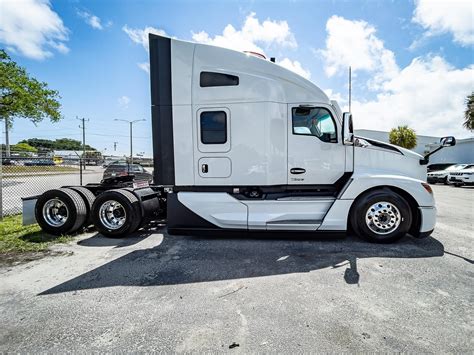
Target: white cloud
[
  {"x": 296, "y": 67},
  {"x": 91, "y": 19},
  {"x": 335, "y": 96},
  {"x": 140, "y": 36},
  {"x": 144, "y": 66},
  {"x": 354, "y": 43},
  {"x": 32, "y": 28},
  {"x": 454, "y": 16},
  {"x": 428, "y": 95},
  {"x": 123, "y": 101},
  {"x": 251, "y": 36}
]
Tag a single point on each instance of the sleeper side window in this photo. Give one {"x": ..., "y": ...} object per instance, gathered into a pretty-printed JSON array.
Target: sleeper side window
[
  {"x": 209, "y": 79},
  {"x": 314, "y": 121},
  {"x": 213, "y": 127}
]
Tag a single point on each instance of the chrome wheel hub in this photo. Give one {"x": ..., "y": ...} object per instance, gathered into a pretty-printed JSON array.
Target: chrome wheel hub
[
  {"x": 112, "y": 215},
  {"x": 383, "y": 218},
  {"x": 55, "y": 212}
]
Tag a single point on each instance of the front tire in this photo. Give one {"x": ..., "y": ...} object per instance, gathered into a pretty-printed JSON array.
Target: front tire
[
  {"x": 381, "y": 216},
  {"x": 116, "y": 213}
]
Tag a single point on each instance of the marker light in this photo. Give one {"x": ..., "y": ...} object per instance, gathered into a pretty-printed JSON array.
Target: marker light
[{"x": 427, "y": 187}]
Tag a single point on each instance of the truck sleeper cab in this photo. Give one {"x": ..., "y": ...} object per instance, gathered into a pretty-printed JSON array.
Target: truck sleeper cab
[{"x": 241, "y": 143}]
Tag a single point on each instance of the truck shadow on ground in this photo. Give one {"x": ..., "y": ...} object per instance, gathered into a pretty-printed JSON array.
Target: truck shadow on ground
[{"x": 187, "y": 259}]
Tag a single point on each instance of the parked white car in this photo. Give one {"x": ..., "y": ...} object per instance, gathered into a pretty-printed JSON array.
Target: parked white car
[
  {"x": 441, "y": 176},
  {"x": 462, "y": 177}
]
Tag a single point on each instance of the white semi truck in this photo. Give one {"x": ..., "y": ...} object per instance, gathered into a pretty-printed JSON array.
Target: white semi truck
[{"x": 243, "y": 144}]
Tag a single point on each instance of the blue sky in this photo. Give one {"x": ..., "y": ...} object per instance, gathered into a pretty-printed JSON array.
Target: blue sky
[{"x": 412, "y": 60}]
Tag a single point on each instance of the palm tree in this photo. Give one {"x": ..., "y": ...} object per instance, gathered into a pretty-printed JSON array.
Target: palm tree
[
  {"x": 403, "y": 136},
  {"x": 469, "y": 113}
]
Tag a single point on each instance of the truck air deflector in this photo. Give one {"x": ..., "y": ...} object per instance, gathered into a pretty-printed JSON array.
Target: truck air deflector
[{"x": 161, "y": 110}]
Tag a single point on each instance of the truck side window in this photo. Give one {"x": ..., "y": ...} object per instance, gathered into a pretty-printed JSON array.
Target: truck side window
[
  {"x": 314, "y": 121},
  {"x": 213, "y": 127},
  {"x": 208, "y": 79}
]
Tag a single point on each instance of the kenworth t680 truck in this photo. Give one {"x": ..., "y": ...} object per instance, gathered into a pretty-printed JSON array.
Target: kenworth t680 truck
[{"x": 242, "y": 144}]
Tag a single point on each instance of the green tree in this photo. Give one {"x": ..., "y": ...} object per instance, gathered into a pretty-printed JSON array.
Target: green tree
[
  {"x": 40, "y": 144},
  {"x": 70, "y": 144},
  {"x": 23, "y": 147},
  {"x": 403, "y": 136},
  {"x": 22, "y": 96},
  {"x": 58, "y": 144},
  {"x": 469, "y": 113}
]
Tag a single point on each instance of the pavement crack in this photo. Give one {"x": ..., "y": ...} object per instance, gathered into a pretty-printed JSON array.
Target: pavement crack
[{"x": 229, "y": 293}]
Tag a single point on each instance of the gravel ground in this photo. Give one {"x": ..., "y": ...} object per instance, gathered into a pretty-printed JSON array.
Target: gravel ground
[{"x": 188, "y": 294}]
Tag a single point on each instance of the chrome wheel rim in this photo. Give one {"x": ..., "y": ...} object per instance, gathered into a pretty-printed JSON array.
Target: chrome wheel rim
[
  {"x": 55, "y": 212},
  {"x": 112, "y": 214},
  {"x": 383, "y": 218}
]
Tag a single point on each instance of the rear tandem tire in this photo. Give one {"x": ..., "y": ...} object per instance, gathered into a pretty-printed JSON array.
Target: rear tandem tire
[
  {"x": 88, "y": 198},
  {"x": 71, "y": 204},
  {"x": 401, "y": 214},
  {"x": 129, "y": 209}
]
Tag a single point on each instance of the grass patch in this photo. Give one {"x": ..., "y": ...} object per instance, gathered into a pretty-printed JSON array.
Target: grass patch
[
  {"x": 21, "y": 169},
  {"x": 16, "y": 238}
]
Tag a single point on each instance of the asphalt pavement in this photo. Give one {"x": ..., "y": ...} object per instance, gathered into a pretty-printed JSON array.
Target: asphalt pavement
[
  {"x": 14, "y": 188},
  {"x": 155, "y": 292}
]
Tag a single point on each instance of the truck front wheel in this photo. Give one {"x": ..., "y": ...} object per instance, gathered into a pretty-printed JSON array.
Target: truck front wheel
[
  {"x": 116, "y": 213},
  {"x": 381, "y": 216}
]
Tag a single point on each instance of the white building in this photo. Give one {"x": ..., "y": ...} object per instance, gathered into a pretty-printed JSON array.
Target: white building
[{"x": 462, "y": 152}]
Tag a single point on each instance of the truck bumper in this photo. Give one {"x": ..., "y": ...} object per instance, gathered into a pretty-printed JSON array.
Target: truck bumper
[{"x": 428, "y": 221}]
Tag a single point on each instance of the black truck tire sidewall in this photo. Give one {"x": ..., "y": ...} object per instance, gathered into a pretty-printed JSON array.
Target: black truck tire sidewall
[
  {"x": 88, "y": 198},
  {"x": 76, "y": 211},
  {"x": 363, "y": 203},
  {"x": 129, "y": 202}
]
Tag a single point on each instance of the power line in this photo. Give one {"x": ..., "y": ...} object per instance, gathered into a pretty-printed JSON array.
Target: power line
[
  {"x": 83, "y": 141},
  {"x": 116, "y": 135},
  {"x": 131, "y": 134}
]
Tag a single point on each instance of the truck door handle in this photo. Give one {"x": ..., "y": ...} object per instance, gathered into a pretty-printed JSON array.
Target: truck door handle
[
  {"x": 297, "y": 171},
  {"x": 204, "y": 168}
]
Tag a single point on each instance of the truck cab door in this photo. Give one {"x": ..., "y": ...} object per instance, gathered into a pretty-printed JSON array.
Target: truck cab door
[{"x": 316, "y": 153}]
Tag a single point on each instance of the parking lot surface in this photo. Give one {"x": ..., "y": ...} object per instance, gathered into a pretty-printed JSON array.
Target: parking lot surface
[
  {"x": 193, "y": 294},
  {"x": 14, "y": 188}
]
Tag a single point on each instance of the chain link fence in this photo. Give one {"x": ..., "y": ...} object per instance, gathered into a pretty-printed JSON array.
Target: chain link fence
[{"x": 26, "y": 176}]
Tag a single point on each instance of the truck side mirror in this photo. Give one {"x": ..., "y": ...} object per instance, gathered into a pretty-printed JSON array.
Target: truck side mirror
[
  {"x": 447, "y": 141},
  {"x": 347, "y": 129}
]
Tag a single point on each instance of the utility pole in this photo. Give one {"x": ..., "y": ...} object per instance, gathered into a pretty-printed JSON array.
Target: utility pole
[
  {"x": 115, "y": 146},
  {"x": 1, "y": 168},
  {"x": 1, "y": 184},
  {"x": 83, "y": 126},
  {"x": 131, "y": 135},
  {"x": 7, "y": 139}
]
